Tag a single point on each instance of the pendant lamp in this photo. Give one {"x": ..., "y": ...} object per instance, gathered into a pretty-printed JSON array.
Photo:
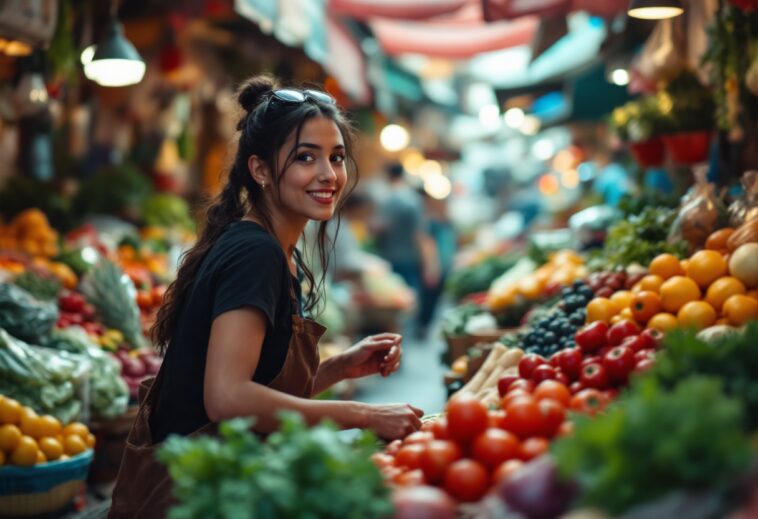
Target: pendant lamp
[
  {"x": 655, "y": 9},
  {"x": 116, "y": 62}
]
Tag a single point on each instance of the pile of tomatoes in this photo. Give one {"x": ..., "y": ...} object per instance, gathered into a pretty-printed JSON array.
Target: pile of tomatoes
[{"x": 471, "y": 448}]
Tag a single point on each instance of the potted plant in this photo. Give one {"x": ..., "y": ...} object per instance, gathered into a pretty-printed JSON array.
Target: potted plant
[
  {"x": 639, "y": 123},
  {"x": 689, "y": 112}
]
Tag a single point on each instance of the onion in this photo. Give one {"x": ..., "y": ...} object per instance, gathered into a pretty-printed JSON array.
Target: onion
[
  {"x": 422, "y": 502},
  {"x": 536, "y": 491}
]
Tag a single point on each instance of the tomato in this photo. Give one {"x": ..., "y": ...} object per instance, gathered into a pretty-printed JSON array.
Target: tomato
[
  {"x": 553, "y": 389},
  {"x": 544, "y": 372},
  {"x": 511, "y": 396},
  {"x": 437, "y": 457},
  {"x": 644, "y": 354},
  {"x": 552, "y": 414},
  {"x": 645, "y": 305},
  {"x": 158, "y": 292},
  {"x": 522, "y": 383},
  {"x": 494, "y": 446},
  {"x": 466, "y": 418},
  {"x": 644, "y": 365},
  {"x": 418, "y": 437},
  {"x": 570, "y": 362},
  {"x": 506, "y": 469},
  {"x": 144, "y": 300},
  {"x": 652, "y": 338},
  {"x": 575, "y": 387},
  {"x": 466, "y": 480},
  {"x": 409, "y": 478},
  {"x": 619, "y": 363},
  {"x": 561, "y": 377},
  {"x": 409, "y": 456},
  {"x": 534, "y": 447},
  {"x": 496, "y": 419},
  {"x": 528, "y": 363},
  {"x": 588, "y": 401},
  {"x": 621, "y": 330},
  {"x": 439, "y": 428},
  {"x": 523, "y": 417},
  {"x": 592, "y": 337},
  {"x": 505, "y": 383},
  {"x": 594, "y": 376},
  {"x": 382, "y": 460},
  {"x": 634, "y": 343},
  {"x": 393, "y": 446}
]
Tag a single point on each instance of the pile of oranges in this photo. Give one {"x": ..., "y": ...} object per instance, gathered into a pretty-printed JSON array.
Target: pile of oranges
[
  {"x": 697, "y": 292},
  {"x": 27, "y": 439}
]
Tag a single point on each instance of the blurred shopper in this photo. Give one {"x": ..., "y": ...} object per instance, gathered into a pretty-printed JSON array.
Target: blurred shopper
[
  {"x": 443, "y": 240},
  {"x": 232, "y": 329}
]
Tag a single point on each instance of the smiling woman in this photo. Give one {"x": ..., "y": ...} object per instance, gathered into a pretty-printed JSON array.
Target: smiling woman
[{"x": 232, "y": 325}]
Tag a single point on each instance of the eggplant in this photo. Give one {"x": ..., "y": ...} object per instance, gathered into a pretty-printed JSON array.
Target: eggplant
[{"x": 536, "y": 490}]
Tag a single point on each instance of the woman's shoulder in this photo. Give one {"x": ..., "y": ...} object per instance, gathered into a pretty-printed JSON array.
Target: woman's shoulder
[{"x": 244, "y": 239}]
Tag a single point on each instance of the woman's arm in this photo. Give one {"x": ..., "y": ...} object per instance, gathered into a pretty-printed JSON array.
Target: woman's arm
[{"x": 233, "y": 355}]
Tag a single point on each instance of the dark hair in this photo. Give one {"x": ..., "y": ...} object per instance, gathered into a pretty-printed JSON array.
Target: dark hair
[{"x": 264, "y": 127}]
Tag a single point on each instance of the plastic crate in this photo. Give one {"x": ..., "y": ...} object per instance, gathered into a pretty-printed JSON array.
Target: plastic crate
[{"x": 44, "y": 488}]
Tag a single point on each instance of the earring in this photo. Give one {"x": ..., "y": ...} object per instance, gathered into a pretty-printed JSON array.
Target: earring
[{"x": 263, "y": 184}]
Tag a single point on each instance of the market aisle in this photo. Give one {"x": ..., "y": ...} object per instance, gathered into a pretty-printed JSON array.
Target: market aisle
[{"x": 419, "y": 381}]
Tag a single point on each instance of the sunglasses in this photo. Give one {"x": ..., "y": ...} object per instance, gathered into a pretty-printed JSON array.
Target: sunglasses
[{"x": 291, "y": 96}]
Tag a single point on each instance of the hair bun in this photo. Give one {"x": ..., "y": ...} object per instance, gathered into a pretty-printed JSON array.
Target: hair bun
[{"x": 251, "y": 92}]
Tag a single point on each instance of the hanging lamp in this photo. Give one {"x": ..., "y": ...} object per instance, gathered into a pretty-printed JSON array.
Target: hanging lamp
[
  {"x": 655, "y": 9},
  {"x": 116, "y": 61}
]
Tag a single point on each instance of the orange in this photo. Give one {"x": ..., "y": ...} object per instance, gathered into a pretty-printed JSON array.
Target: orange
[
  {"x": 90, "y": 441},
  {"x": 9, "y": 437},
  {"x": 663, "y": 322},
  {"x": 622, "y": 298},
  {"x": 717, "y": 240},
  {"x": 722, "y": 289},
  {"x": 753, "y": 293},
  {"x": 601, "y": 309},
  {"x": 651, "y": 282},
  {"x": 41, "y": 458},
  {"x": 706, "y": 266},
  {"x": 73, "y": 444},
  {"x": 10, "y": 411},
  {"x": 696, "y": 314},
  {"x": 76, "y": 428},
  {"x": 645, "y": 305},
  {"x": 740, "y": 309},
  {"x": 677, "y": 291},
  {"x": 49, "y": 425},
  {"x": 25, "y": 453},
  {"x": 530, "y": 288},
  {"x": 31, "y": 424},
  {"x": 51, "y": 448},
  {"x": 665, "y": 266}
]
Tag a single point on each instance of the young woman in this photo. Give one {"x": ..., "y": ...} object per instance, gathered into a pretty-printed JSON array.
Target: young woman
[{"x": 231, "y": 325}]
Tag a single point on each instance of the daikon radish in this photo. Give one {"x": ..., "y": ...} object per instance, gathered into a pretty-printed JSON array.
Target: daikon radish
[
  {"x": 507, "y": 360},
  {"x": 475, "y": 384}
]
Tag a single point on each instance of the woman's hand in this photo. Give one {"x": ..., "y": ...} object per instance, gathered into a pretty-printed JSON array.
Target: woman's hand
[
  {"x": 375, "y": 354},
  {"x": 394, "y": 421}
]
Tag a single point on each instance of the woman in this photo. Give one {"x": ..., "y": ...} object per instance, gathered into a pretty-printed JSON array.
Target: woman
[{"x": 231, "y": 329}]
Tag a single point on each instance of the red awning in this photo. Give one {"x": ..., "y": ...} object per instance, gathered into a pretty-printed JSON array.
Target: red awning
[
  {"x": 510, "y": 9},
  {"x": 397, "y": 9},
  {"x": 451, "y": 40},
  {"x": 346, "y": 62}
]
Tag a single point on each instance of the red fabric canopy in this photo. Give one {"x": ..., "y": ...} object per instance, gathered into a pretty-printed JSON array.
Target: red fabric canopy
[
  {"x": 449, "y": 40},
  {"x": 510, "y": 9},
  {"x": 398, "y": 9}
]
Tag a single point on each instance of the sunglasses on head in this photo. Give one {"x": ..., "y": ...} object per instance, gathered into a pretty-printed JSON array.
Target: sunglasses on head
[{"x": 291, "y": 96}]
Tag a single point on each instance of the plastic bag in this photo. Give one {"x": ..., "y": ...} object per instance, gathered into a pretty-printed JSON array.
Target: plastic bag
[
  {"x": 701, "y": 213},
  {"x": 23, "y": 315},
  {"x": 745, "y": 208}
]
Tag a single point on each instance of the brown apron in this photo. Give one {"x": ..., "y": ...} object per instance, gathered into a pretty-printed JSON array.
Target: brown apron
[{"x": 143, "y": 486}]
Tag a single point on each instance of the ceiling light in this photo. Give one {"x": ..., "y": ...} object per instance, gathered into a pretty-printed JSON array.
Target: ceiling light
[
  {"x": 655, "y": 9},
  {"x": 438, "y": 186},
  {"x": 620, "y": 77},
  {"x": 489, "y": 116},
  {"x": 531, "y": 125},
  {"x": 514, "y": 118},
  {"x": 394, "y": 137},
  {"x": 115, "y": 62}
]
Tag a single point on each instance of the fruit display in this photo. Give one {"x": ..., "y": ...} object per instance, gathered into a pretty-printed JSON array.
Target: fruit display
[
  {"x": 28, "y": 439},
  {"x": 31, "y": 233}
]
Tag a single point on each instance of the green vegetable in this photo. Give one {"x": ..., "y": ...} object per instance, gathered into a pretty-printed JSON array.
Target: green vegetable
[
  {"x": 653, "y": 442},
  {"x": 479, "y": 277},
  {"x": 23, "y": 316},
  {"x": 454, "y": 320},
  {"x": 164, "y": 210},
  {"x": 733, "y": 359},
  {"x": 44, "y": 288},
  {"x": 297, "y": 473},
  {"x": 638, "y": 239}
]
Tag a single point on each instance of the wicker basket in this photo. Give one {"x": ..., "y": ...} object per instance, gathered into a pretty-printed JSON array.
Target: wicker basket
[{"x": 42, "y": 489}]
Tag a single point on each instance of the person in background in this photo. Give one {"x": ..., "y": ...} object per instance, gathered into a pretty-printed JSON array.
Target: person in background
[
  {"x": 232, "y": 326},
  {"x": 443, "y": 241},
  {"x": 399, "y": 230}
]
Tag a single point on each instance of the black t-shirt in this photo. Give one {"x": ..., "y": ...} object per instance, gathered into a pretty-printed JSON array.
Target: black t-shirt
[{"x": 245, "y": 267}]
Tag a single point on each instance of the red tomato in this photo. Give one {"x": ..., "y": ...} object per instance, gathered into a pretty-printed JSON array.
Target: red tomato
[
  {"x": 594, "y": 375},
  {"x": 506, "y": 470},
  {"x": 522, "y": 383},
  {"x": 409, "y": 478},
  {"x": 534, "y": 447},
  {"x": 393, "y": 446},
  {"x": 409, "y": 456},
  {"x": 382, "y": 460},
  {"x": 553, "y": 389},
  {"x": 496, "y": 419},
  {"x": 589, "y": 401},
  {"x": 523, "y": 417},
  {"x": 619, "y": 363},
  {"x": 620, "y": 331},
  {"x": 505, "y": 383},
  {"x": 528, "y": 363},
  {"x": 437, "y": 457},
  {"x": 592, "y": 337},
  {"x": 570, "y": 362},
  {"x": 494, "y": 446},
  {"x": 513, "y": 395},
  {"x": 652, "y": 337},
  {"x": 552, "y": 415},
  {"x": 439, "y": 428},
  {"x": 544, "y": 372},
  {"x": 418, "y": 437},
  {"x": 466, "y": 418},
  {"x": 634, "y": 342},
  {"x": 466, "y": 480}
]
